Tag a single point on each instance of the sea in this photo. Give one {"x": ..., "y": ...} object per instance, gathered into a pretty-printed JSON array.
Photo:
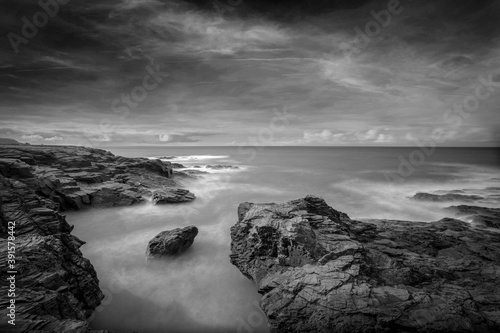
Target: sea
[{"x": 200, "y": 290}]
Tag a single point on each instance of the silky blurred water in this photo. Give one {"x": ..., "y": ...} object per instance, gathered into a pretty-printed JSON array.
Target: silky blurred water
[{"x": 200, "y": 291}]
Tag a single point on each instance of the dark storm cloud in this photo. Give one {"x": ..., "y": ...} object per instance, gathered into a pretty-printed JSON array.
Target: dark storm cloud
[{"x": 227, "y": 67}]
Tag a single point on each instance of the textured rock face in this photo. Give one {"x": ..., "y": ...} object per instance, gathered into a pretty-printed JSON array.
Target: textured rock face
[
  {"x": 488, "y": 217},
  {"x": 76, "y": 177},
  {"x": 172, "y": 242},
  {"x": 320, "y": 271},
  {"x": 172, "y": 196},
  {"x": 56, "y": 287}
]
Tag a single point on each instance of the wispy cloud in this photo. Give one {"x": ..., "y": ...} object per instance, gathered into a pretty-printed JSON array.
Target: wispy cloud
[{"x": 226, "y": 73}]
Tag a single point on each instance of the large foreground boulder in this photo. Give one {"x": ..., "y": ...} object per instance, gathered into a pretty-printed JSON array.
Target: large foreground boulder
[
  {"x": 172, "y": 242},
  {"x": 320, "y": 271}
]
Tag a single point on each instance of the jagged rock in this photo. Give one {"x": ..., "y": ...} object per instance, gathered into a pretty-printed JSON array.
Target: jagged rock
[
  {"x": 56, "y": 287},
  {"x": 320, "y": 271},
  {"x": 445, "y": 197},
  {"x": 77, "y": 177},
  {"x": 89, "y": 177},
  {"x": 75, "y": 162},
  {"x": 172, "y": 196},
  {"x": 108, "y": 197},
  {"x": 14, "y": 168},
  {"x": 489, "y": 217},
  {"x": 172, "y": 242}
]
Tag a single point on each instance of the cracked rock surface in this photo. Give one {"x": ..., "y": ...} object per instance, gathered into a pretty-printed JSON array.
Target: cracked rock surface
[
  {"x": 320, "y": 271},
  {"x": 56, "y": 288}
]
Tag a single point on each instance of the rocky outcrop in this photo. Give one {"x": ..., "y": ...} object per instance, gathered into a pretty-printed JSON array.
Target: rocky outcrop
[
  {"x": 320, "y": 271},
  {"x": 77, "y": 177},
  {"x": 445, "y": 197},
  {"x": 10, "y": 167},
  {"x": 487, "y": 217},
  {"x": 172, "y": 242},
  {"x": 56, "y": 288},
  {"x": 178, "y": 195}
]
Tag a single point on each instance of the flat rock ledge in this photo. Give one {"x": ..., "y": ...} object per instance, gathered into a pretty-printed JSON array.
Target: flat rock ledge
[
  {"x": 320, "y": 271},
  {"x": 172, "y": 242},
  {"x": 79, "y": 177}
]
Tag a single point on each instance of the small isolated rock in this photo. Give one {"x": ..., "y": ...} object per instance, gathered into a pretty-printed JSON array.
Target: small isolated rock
[
  {"x": 172, "y": 196},
  {"x": 172, "y": 242}
]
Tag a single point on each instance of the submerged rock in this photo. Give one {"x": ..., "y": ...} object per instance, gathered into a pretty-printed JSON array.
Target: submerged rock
[
  {"x": 320, "y": 271},
  {"x": 172, "y": 196},
  {"x": 172, "y": 242}
]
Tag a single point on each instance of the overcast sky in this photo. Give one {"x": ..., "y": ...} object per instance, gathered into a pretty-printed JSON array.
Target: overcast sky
[{"x": 224, "y": 72}]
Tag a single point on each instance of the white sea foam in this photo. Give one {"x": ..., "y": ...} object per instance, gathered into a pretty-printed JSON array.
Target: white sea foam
[{"x": 190, "y": 158}]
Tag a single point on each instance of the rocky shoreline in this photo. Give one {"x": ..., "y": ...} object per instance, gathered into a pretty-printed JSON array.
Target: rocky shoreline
[
  {"x": 317, "y": 269},
  {"x": 320, "y": 271},
  {"x": 56, "y": 288}
]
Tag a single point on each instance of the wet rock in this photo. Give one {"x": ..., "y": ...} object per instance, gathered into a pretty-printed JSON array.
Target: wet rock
[
  {"x": 488, "y": 217},
  {"x": 320, "y": 271},
  {"x": 172, "y": 196},
  {"x": 78, "y": 177},
  {"x": 172, "y": 242},
  {"x": 56, "y": 287}
]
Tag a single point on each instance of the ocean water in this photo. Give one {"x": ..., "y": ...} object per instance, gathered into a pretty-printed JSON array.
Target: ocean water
[{"x": 200, "y": 291}]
